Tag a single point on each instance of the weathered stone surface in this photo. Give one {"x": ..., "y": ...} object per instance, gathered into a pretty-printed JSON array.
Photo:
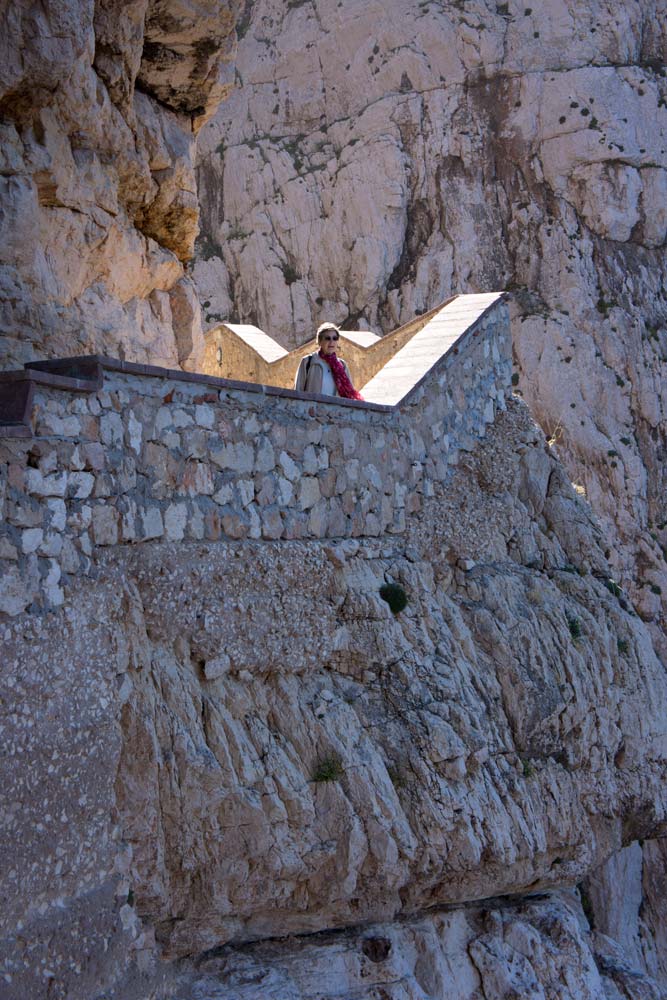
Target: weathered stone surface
[
  {"x": 99, "y": 205},
  {"x": 381, "y": 156},
  {"x": 533, "y": 950},
  {"x": 207, "y": 458},
  {"x": 475, "y": 744}
]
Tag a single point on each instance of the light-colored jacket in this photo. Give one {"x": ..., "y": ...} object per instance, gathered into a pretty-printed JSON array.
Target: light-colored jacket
[{"x": 310, "y": 375}]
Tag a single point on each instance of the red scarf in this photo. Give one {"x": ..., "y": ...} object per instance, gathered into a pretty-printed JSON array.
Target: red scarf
[{"x": 343, "y": 385}]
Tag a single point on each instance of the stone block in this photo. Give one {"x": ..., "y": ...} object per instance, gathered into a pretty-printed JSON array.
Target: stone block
[
  {"x": 205, "y": 416},
  {"x": 337, "y": 526},
  {"x": 175, "y": 520},
  {"x": 309, "y": 492},
  {"x": 14, "y": 595},
  {"x": 128, "y": 519},
  {"x": 53, "y": 592},
  {"x": 111, "y": 430},
  {"x": 235, "y": 525},
  {"x": 224, "y": 495},
  {"x": 212, "y": 525},
  {"x": 266, "y": 490},
  {"x": 310, "y": 464},
  {"x": 289, "y": 467},
  {"x": 265, "y": 458},
  {"x": 7, "y": 550},
  {"x": 284, "y": 491},
  {"x": 349, "y": 440},
  {"x": 272, "y": 523},
  {"x": 80, "y": 485},
  {"x": 31, "y": 539},
  {"x": 181, "y": 418},
  {"x": 197, "y": 479},
  {"x": 51, "y": 545},
  {"x": 196, "y": 523},
  {"x": 94, "y": 456},
  {"x": 163, "y": 419},
  {"x": 51, "y": 485},
  {"x": 246, "y": 491},
  {"x": 328, "y": 483},
  {"x": 319, "y": 520},
  {"x": 238, "y": 457},
  {"x": 105, "y": 525},
  {"x": 134, "y": 434},
  {"x": 69, "y": 557},
  {"x": 152, "y": 525}
]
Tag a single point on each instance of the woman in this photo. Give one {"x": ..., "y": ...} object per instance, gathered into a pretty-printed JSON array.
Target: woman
[{"x": 324, "y": 372}]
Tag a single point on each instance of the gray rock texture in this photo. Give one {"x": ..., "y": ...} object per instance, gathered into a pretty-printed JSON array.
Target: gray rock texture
[
  {"x": 238, "y": 741},
  {"x": 99, "y": 108},
  {"x": 378, "y": 157}
]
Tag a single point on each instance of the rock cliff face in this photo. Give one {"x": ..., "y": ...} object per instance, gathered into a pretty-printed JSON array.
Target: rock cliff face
[
  {"x": 99, "y": 107},
  {"x": 230, "y": 770},
  {"x": 239, "y": 741},
  {"x": 377, "y": 157}
]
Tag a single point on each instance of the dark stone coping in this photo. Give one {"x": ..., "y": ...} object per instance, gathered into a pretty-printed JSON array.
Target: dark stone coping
[{"x": 85, "y": 373}]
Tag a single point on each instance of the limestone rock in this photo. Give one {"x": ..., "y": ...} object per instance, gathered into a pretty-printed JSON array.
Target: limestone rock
[
  {"x": 530, "y": 950},
  {"x": 250, "y": 744},
  {"x": 99, "y": 207},
  {"x": 380, "y": 157}
]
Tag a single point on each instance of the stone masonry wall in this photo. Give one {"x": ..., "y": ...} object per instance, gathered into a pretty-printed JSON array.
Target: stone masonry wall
[{"x": 188, "y": 456}]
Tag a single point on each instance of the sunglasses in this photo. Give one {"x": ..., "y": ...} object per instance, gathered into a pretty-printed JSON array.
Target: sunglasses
[{"x": 331, "y": 338}]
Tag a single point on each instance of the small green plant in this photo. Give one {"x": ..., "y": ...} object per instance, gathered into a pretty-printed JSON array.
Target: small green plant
[
  {"x": 395, "y": 597},
  {"x": 290, "y": 274},
  {"x": 655, "y": 589},
  {"x": 515, "y": 378},
  {"x": 587, "y": 906},
  {"x": 623, "y": 646},
  {"x": 613, "y": 587},
  {"x": 205, "y": 248},
  {"x": 574, "y": 626},
  {"x": 528, "y": 769},
  {"x": 329, "y": 768}
]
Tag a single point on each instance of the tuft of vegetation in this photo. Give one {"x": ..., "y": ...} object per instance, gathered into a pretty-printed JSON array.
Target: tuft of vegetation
[
  {"x": 395, "y": 597},
  {"x": 290, "y": 274},
  {"x": 613, "y": 587},
  {"x": 623, "y": 646},
  {"x": 329, "y": 768},
  {"x": 574, "y": 626},
  {"x": 587, "y": 906},
  {"x": 655, "y": 589},
  {"x": 515, "y": 378},
  {"x": 206, "y": 248},
  {"x": 528, "y": 769}
]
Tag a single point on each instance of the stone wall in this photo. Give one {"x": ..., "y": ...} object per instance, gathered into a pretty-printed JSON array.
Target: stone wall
[{"x": 143, "y": 454}]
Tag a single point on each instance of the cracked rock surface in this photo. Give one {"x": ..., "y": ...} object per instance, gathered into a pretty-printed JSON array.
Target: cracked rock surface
[
  {"x": 285, "y": 756},
  {"x": 97, "y": 185},
  {"x": 378, "y": 157}
]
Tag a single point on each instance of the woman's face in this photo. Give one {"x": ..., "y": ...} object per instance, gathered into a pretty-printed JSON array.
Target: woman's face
[{"x": 329, "y": 342}]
